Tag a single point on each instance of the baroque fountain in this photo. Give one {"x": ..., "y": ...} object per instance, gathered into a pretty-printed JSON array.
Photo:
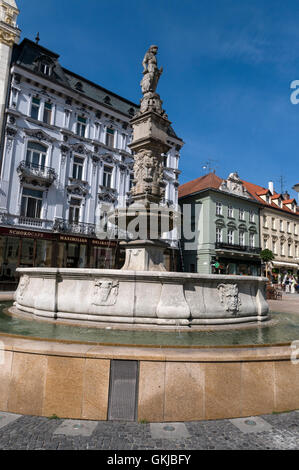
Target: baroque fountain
[
  {"x": 142, "y": 292},
  {"x": 140, "y": 342}
]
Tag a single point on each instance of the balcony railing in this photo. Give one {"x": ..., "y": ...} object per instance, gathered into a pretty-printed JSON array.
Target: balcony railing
[
  {"x": 30, "y": 222},
  {"x": 31, "y": 171},
  {"x": 76, "y": 228},
  {"x": 244, "y": 248}
]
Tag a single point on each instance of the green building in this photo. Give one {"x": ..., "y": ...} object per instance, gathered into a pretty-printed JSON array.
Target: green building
[{"x": 224, "y": 219}]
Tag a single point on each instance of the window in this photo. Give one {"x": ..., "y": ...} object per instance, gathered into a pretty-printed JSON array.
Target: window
[
  {"x": 289, "y": 249},
  {"x": 242, "y": 238},
  {"x": 109, "y": 138},
  {"x": 78, "y": 168},
  {"x": 131, "y": 181},
  {"x": 230, "y": 211},
  {"x": 218, "y": 208},
  {"x": 74, "y": 211},
  {"x": 230, "y": 237},
  {"x": 273, "y": 224},
  {"x": 241, "y": 214},
  {"x": 265, "y": 221},
  {"x": 36, "y": 155},
  {"x": 265, "y": 243},
  {"x": 124, "y": 141},
  {"x": 281, "y": 225},
  {"x": 35, "y": 108},
  {"x": 288, "y": 227},
  {"x": 67, "y": 115},
  {"x": 282, "y": 248},
  {"x": 47, "y": 113},
  {"x": 251, "y": 216},
  {"x": 165, "y": 161},
  {"x": 31, "y": 203},
  {"x": 274, "y": 247},
  {"x": 45, "y": 69},
  {"x": 218, "y": 235},
  {"x": 81, "y": 126},
  {"x": 295, "y": 229},
  {"x": 107, "y": 176},
  {"x": 251, "y": 240},
  {"x": 296, "y": 251}
]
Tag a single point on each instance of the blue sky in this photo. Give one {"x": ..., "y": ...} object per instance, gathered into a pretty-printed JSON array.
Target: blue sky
[{"x": 228, "y": 65}]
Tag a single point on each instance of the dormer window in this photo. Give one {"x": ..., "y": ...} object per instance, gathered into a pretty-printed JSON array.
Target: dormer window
[
  {"x": 107, "y": 100},
  {"x": 131, "y": 112},
  {"x": 44, "y": 65},
  {"x": 45, "y": 69},
  {"x": 79, "y": 86}
]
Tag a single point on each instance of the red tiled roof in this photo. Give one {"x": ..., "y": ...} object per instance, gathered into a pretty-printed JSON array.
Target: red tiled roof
[
  {"x": 204, "y": 182},
  {"x": 213, "y": 181},
  {"x": 289, "y": 201},
  {"x": 256, "y": 190},
  {"x": 263, "y": 192}
]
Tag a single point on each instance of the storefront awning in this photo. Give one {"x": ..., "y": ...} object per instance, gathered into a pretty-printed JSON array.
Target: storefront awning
[{"x": 281, "y": 263}]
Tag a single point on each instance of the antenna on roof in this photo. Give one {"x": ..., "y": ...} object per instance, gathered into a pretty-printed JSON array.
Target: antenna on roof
[
  {"x": 282, "y": 182},
  {"x": 209, "y": 166},
  {"x": 37, "y": 39}
]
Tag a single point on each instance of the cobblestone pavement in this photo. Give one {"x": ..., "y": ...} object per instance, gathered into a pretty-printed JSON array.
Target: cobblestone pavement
[{"x": 275, "y": 432}]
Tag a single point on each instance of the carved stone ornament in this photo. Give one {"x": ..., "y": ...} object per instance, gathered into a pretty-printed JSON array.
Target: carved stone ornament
[
  {"x": 23, "y": 284},
  {"x": 7, "y": 38},
  {"x": 234, "y": 185},
  {"x": 77, "y": 188},
  {"x": 148, "y": 173},
  {"x": 229, "y": 297},
  {"x": 39, "y": 135},
  {"x": 11, "y": 131},
  {"x": 105, "y": 292},
  {"x": 80, "y": 148},
  {"x": 107, "y": 195}
]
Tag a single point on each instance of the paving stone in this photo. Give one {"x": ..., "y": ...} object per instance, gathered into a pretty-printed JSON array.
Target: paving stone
[
  {"x": 251, "y": 424},
  {"x": 32, "y": 433},
  {"x": 7, "y": 418},
  {"x": 169, "y": 431},
  {"x": 71, "y": 427}
]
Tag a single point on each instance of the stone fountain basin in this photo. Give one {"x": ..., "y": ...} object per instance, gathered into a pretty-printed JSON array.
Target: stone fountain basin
[{"x": 142, "y": 298}]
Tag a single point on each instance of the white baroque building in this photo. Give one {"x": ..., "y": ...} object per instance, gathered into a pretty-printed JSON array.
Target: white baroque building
[{"x": 64, "y": 156}]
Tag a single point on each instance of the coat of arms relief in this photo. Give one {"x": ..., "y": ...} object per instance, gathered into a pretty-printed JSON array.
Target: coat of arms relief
[{"x": 105, "y": 292}]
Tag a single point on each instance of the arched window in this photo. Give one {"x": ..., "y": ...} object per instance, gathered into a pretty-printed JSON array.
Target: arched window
[{"x": 36, "y": 155}]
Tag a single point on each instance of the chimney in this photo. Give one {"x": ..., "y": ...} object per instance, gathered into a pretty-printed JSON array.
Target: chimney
[{"x": 271, "y": 187}]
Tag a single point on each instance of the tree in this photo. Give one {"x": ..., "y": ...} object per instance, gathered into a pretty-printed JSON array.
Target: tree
[{"x": 267, "y": 256}]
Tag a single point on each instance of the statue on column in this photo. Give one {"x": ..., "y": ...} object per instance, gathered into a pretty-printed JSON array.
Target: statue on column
[
  {"x": 151, "y": 73},
  {"x": 151, "y": 101}
]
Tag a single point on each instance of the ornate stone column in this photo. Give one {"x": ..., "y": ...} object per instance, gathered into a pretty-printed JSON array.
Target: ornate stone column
[{"x": 146, "y": 219}]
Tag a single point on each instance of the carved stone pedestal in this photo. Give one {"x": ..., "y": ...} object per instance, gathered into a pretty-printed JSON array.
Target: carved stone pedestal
[{"x": 144, "y": 255}]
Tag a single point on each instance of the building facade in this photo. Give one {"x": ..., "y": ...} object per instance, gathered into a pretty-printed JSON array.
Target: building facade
[
  {"x": 226, "y": 225},
  {"x": 279, "y": 222},
  {"x": 65, "y": 162}
]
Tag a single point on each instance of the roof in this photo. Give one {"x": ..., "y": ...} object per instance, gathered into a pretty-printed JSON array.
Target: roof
[
  {"x": 211, "y": 180},
  {"x": 288, "y": 201},
  {"x": 257, "y": 191},
  {"x": 27, "y": 52}
]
